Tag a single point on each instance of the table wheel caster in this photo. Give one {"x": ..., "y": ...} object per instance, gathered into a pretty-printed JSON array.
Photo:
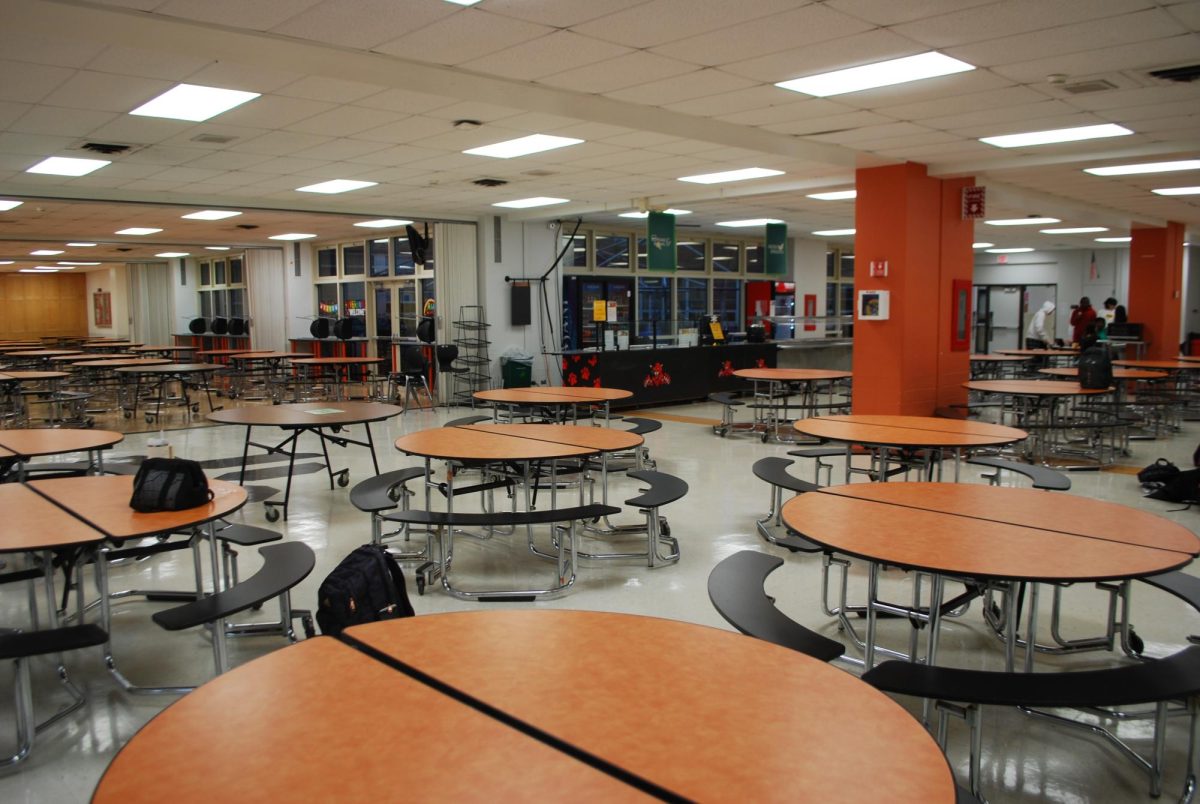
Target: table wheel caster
[
  {"x": 196, "y": 408},
  {"x": 149, "y": 419},
  {"x": 272, "y": 514},
  {"x": 1136, "y": 644},
  {"x": 343, "y": 479},
  {"x": 129, "y": 414}
]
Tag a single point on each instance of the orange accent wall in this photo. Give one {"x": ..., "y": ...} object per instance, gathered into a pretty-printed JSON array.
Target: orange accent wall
[
  {"x": 51, "y": 304},
  {"x": 1155, "y": 287},
  {"x": 902, "y": 215}
]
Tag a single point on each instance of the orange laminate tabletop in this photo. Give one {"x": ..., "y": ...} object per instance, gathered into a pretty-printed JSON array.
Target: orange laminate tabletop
[
  {"x": 34, "y": 376},
  {"x": 121, "y": 362},
  {"x": 1040, "y": 352},
  {"x": 604, "y": 439},
  {"x": 791, "y": 374},
  {"x": 104, "y": 503},
  {"x": 552, "y": 395},
  {"x": 255, "y": 733},
  {"x": 44, "y": 353},
  {"x": 907, "y": 431},
  {"x": 337, "y": 361},
  {"x": 988, "y": 531},
  {"x": 222, "y": 352},
  {"x": 997, "y": 358},
  {"x": 266, "y": 355},
  {"x": 465, "y": 444},
  {"x": 30, "y": 443},
  {"x": 169, "y": 368},
  {"x": 1033, "y": 387},
  {"x": 307, "y": 414},
  {"x": 721, "y": 733},
  {"x": 32, "y": 522},
  {"x": 164, "y": 348},
  {"x": 1118, "y": 373},
  {"x": 1165, "y": 365}
]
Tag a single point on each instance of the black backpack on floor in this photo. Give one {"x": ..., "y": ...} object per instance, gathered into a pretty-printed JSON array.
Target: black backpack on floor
[
  {"x": 1095, "y": 368},
  {"x": 365, "y": 587}
]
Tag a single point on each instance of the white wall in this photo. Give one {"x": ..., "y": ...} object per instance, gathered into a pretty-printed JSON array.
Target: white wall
[
  {"x": 808, "y": 272},
  {"x": 111, "y": 280},
  {"x": 186, "y": 296},
  {"x": 1068, "y": 270}
]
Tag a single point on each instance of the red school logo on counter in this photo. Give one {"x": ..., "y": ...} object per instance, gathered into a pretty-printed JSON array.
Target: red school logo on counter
[
  {"x": 726, "y": 369},
  {"x": 657, "y": 377}
]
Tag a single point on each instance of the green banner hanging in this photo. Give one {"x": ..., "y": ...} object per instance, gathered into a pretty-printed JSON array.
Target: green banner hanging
[
  {"x": 660, "y": 241},
  {"x": 777, "y": 248}
]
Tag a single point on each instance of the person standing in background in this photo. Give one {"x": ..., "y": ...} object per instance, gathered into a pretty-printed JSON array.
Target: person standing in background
[
  {"x": 1113, "y": 313},
  {"x": 1036, "y": 334},
  {"x": 1082, "y": 314}
]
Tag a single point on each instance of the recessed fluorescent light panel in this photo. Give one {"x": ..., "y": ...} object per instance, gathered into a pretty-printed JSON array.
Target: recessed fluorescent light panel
[
  {"x": 647, "y": 214},
  {"x": 748, "y": 222},
  {"x": 1075, "y": 230},
  {"x": 1057, "y": 135},
  {"x": 880, "y": 74},
  {"x": 81, "y": 245},
  {"x": 1177, "y": 191},
  {"x": 836, "y": 195},
  {"x": 7, "y": 262},
  {"x": 1022, "y": 221},
  {"x": 732, "y": 175},
  {"x": 523, "y": 146},
  {"x": 835, "y": 232},
  {"x": 216, "y": 248},
  {"x": 292, "y": 236},
  {"x": 69, "y": 262},
  {"x": 1149, "y": 167},
  {"x": 537, "y": 201},
  {"x": 37, "y": 270},
  {"x": 45, "y": 252},
  {"x": 68, "y": 166},
  {"x": 193, "y": 102},
  {"x": 1008, "y": 250},
  {"x": 982, "y": 245},
  {"x": 6, "y": 205},
  {"x": 211, "y": 215},
  {"x": 1113, "y": 239},
  {"x": 336, "y": 186},
  {"x": 382, "y": 223},
  {"x": 139, "y": 231},
  {"x": 172, "y": 254},
  {"x": 463, "y": 2}
]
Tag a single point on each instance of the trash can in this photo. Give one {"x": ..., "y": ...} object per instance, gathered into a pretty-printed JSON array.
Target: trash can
[{"x": 516, "y": 369}]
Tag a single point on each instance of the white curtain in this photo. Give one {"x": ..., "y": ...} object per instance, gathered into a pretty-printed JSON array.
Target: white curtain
[
  {"x": 266, "y": 295},
  {"x": 151, "y": 302}
]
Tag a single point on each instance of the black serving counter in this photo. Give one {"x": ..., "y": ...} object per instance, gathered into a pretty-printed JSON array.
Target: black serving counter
[{"x": 670, "y": 374}]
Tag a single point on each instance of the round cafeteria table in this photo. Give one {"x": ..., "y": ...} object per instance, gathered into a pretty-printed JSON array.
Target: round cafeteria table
[
  {"x": 1034, "y": 404},
  {"x": 51, "y": 379},
  {"x": 882, "y": 433},
  {"x": 1040, "y": 352},
  {"x": 340, "y": 366},
  {"x": 990, "y": 532},
  {"x": 39, "y": 442},
  {"x": 994, "y": 366},
  {"x": 580, "y": 724},
  {"x": 768, "y": 412},
  {"x": 164, "y": 373},
  {"x": 306, "y": 417},
  {"x": 553, "y": 396}
]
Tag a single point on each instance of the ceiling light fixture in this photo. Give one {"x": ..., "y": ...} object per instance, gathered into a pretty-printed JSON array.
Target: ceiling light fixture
[
  {"x": 836, "y": 195},
  {"x": 536, "y": 201},
  {"x": 6, "y": 205},
  {"x": 193, "y": 102},
  {"x": 7, "y": 262},
  {"x": 669, "y": 211},
  {"x": 1148, "y": 167},
  {"x": 463, "y": 2},
  {"x": 523, "y": 146},
  {"x": 139, "y": 231},
  {"x": 173, "y": 254},
  {"x": 1057, "y": 135},
  {"x": 982, "y": 245},
  {"x": 67, "y": 166},
  {"x": 731, "y": 175},
  {"x": 81, "y": 245},
  {"x": 211, "y": 215},
  {"x": 382, "y": 223},
  {"x": 70, "y": 262},
  {"x": 1113, "y": 239},
  {"x": 216, "y": 248},
  {"x": 1008, "y": 250},
  {"x": 334, "y": 186},
  {"x": 748, "y": 222},
  {"x": 1022, "y": 221},
  {"x": 834, "y": 232},
  {"x": 37, "y": 270},
  {"x": 45, "y": 252},
  {"x": 1177, "y": 191},
  {"x": 292, "y": 236},
  {"x": 880, "y": 74},
  {"x": 1075, "y": 230}
]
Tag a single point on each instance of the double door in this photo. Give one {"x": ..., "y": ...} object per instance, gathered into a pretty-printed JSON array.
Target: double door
[
  {"x": 396, "y": 307},
  {"x": 1003, "y": 312}
]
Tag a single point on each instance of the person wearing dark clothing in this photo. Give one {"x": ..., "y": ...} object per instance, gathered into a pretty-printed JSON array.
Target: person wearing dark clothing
[
  {"x": 1114, "y": 313},
  {"x": 1082, "y": 314}
]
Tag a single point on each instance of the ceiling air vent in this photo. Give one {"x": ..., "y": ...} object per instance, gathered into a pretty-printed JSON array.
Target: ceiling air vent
[
  {"x": 489, "y": 182},
  {"x": 108, "y": 148},
  {"x": 214, "y": 139},
  {"x": 1181, "y": 75},
  {"x": 1083, "y": 87}
]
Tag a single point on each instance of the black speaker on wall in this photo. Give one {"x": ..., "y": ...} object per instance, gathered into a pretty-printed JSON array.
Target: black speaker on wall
[
  {"x": 522, "y": 314},
  {"x": 417, "y": 244}
]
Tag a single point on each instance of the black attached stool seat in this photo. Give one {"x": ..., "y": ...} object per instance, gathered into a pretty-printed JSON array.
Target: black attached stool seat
[{"x": 387, "y": 492}]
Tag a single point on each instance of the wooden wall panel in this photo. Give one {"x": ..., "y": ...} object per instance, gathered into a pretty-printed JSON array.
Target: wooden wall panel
[{"x": 51, "y": 304}]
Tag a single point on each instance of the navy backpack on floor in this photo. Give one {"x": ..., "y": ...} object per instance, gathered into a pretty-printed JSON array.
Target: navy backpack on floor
[{"x": 366, "y": 586}]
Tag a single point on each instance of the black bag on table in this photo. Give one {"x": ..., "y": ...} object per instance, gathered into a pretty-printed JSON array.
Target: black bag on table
[
  {"x": 1183, "y": 487},
  {"x": 366, "y": 586},
  {"x": 1095, "y": 368},
  {"x": 1160, "y": 471},
  {"x": 169, "y": 484}
]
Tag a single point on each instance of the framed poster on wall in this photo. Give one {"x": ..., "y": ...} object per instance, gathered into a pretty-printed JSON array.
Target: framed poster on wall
[{"x": 102, "y": 308}]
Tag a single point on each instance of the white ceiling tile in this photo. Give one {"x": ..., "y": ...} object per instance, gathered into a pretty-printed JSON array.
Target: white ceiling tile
[
  {"x": 535, "y": 123},
  {"x": 182, "y": 175},
  {"x": 163, "y": 155},
  {"x": 559, "y": 13},
  {"x": 1010, "y": 17},
  {"x": 640, "y": 139},
  {"x": 823, "y": 56},
  {"x": 140, "y": 130},
  {"x": 1027, "y": 117},
  {"x": 1187, "y": 12},
  {"x": 541, "y": 57},
  {"x": 755, "y": 97},
  {"x": 1173, "y": 123},
  {"x": 273, "y": 111},
  {"x": 227, "y": 161},
  {"x": 975, "y": 126},
  {"x": 409, "y": 129},
  {"x": 460, "y": 139},
  {"x": 147, "y": 63},
  {"x": 634, "y": 68},
  {"x": 464, "y": 35},
  {"x": 341, "y": 149},
  {"x": 261, "y": 15},
  {"x": 788, "y": 110},
  {"x": 889, "y": 12},
  {"x": 62, "y": 122},
  {"x": 400, "y": 175},
  {"x": 1138, "y": 56},
  {"x": 788, "y": 30},
  {"x": 362, "y": 23},
  {"x": 345, "y": 121},
  {"x": 593, "y": 131},
  {"x": 232, "y": 74},
  {"x": 947, "y": 88},
  {"x": 397, "y": 155},
  {"x": 104, "y": 92},
  {"x": 877, "y": 132},
  {"x": 188, "y": 137},
  {"x": 11, "y": 112},
  {"x": 291, "y": 165},
  {"x": 682, "y": 87},
  {"x": 474, "y": 110},
  {"x": 330, "y": 90},
  {"x": 661, "y": 21},
  {"x": 916, "y": 139},
  {"x": 31, "y": 83},
  {"x": 1120, "y": 99},
  {"x": 280, "y": 142},
  {"x": 404, "y": 100},
  {"x": 976, "y": 101},
  {"x": 682, "y": 147},
  {"x": 837, "y": 122},
  {"x": 18, "y": 45}
]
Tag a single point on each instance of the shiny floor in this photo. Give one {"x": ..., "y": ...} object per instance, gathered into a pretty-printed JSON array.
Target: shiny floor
[{"x": 1024, "y": 760}]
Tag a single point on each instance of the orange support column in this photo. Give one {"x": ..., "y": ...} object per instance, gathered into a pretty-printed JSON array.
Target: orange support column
[
  {"x": 1155, "y": 286},
  {"x": 905, "y": 364}
]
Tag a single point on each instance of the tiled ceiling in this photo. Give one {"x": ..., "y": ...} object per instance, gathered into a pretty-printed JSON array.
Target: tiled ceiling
[{"x": 371, "y": 90}]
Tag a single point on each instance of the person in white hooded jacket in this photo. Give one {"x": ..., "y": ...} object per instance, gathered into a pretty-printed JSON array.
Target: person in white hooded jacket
[{"x": 1036, "y": 335}]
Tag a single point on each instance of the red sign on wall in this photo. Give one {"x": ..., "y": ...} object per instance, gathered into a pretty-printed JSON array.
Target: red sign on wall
[{"x": 974, "y": 202}]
